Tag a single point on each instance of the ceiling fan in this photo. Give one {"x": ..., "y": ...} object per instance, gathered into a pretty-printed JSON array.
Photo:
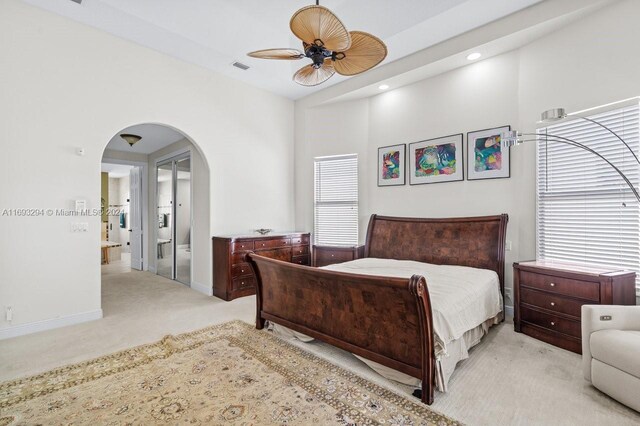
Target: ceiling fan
[{"x": 329, "y": 45}]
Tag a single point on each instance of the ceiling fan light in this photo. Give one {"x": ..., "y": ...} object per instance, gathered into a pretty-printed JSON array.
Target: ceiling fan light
[{"x": 130, "y": 139}]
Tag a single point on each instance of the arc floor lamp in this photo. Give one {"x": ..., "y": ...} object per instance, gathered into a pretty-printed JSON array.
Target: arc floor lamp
[{"x": 513, "y": 138}]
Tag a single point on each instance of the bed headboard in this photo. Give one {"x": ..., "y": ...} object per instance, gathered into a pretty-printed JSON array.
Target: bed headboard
[{"x": 467, "y": 241}]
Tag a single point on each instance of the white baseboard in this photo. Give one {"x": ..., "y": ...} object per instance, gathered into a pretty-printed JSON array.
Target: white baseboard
[
  {"x": 34, "y": 327},
  {"x": 201, "y": 288},
  {"x": 508, "y": 310}
]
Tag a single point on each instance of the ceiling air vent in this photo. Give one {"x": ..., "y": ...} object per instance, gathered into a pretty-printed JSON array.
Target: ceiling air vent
[
  {"x": 240, "y": 65},
  {"x": 77, "y": 1}
]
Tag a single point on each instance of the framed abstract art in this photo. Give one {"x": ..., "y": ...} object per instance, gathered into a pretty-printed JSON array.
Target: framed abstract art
[
  {"x": 436, "y": 160},
  {"x": 486, "y": 158},
  {"x": 391, "y": 165}
]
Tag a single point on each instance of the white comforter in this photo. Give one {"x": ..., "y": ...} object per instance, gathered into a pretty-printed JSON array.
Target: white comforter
[{"x": 461, "y": 297}]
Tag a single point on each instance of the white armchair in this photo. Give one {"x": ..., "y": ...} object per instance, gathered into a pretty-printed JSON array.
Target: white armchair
[{"x": 611, "y": 351}]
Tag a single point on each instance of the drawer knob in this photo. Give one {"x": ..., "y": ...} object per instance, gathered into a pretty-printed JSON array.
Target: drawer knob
[
  {"x": 333, "y": 255},
  {"x": 242, "y": 270},
  {"x": 553, "y": 323},
  {"x": 552, "y": 284},
  {"x": 553, "y": 303}
]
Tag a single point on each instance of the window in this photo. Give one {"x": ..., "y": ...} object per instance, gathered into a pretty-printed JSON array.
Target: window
[
  {"x": 586, "y": 212},
  {"x": 336, "y": 201}
]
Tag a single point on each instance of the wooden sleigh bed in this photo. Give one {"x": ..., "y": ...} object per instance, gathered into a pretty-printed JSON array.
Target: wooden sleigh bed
[{"x": 386, "y": 320}]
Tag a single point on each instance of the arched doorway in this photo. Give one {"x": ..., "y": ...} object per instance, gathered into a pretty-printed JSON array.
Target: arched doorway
[{"x": 169, "y": 189}]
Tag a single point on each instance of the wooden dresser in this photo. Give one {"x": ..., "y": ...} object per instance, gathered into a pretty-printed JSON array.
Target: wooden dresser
[
  {"x": 233, "y": 277},
  {"x": 328, "y": 255},
  {"x": 548, "y": 297}
]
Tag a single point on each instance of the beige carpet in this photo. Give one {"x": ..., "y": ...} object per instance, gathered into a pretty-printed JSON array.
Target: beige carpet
[
  {"x": 510, "y": 378},
  {"x": 224, "y": 374}
]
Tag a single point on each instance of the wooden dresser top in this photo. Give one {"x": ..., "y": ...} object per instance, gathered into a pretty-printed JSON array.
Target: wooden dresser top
[
  {"x": 581, "y": 268},
  {"x": 256, "y": 236}
]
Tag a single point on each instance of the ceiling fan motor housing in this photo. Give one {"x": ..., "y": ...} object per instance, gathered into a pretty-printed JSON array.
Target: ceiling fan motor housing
[{"x": 317, "y": 53}]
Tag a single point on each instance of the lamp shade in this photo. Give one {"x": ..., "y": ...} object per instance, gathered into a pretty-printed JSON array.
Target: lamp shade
[
  {"x": 552, "y": 115},
  {"x": 130, "y": 139}
]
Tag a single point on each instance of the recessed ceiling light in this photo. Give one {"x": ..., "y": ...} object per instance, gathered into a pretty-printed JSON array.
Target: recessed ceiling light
[
  {"x": 383, "y": 87},
  {"x": 474, "y": 56}
]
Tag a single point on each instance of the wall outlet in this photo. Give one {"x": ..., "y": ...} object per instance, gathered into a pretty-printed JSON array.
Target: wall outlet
[
  {"x": 508, "y": 245},
  {"x": 9, "y": 314}
]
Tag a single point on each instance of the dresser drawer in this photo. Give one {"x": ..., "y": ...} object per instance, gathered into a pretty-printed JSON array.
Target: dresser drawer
[
  {"x": 272, "y": 243},
  {"x": 560, "y": 340},
  {"x": 241, "y": 269},
  {"x": 299, "y": 250},
  {"x": 552, "y": 302},
  {"x": 238, "y": 257},
  {"x": 300, "y": 240},
  {"x": 283, "y": 254},
  {"x": 301, "y": 260},
  {"x": 241, "y": 283},
  {"x": 324, "y": 257},
  {"x": 242, "y": 246},
  {"x": 551, "y": 322},
  {"x": 583, "y": 289}
]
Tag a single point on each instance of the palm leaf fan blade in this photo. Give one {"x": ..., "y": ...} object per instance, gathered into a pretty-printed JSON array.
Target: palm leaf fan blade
[
  {"x": 366, "y": 52},
  {"x": 313, "y": 23},
  {"x": 312, "y": 76},
  {"x": 281, "y": 54}
]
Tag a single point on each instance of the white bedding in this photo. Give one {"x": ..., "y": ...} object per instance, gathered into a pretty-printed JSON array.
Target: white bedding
[{"x": 465, "y": 302}]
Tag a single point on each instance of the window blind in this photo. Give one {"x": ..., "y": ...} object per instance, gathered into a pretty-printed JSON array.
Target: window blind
[
  {"x": 336, "y": 201},
  {"x": 585, "y": 211}
]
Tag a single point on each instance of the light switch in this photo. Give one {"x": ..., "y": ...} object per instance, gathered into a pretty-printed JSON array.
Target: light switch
[
  {"x": 508, "y": 245},
  {"x": 81, "y": 205},
  {"x": 80, "y": 227}
]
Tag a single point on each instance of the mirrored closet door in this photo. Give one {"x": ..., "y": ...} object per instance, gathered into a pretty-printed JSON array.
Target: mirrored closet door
[{"x": 173, "y": 206}]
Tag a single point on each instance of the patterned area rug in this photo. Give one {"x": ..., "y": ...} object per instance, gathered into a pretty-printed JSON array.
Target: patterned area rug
[{"x": 224, "y": 374}]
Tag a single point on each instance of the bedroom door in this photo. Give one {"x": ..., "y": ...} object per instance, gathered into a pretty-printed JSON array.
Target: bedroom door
[{"x": 135, "y": 217}]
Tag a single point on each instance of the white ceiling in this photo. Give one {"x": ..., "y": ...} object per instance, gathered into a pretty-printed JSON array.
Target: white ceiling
[
  {"x": 154, "y": 137},
  {"x": 116, "y": 170},
  {"x": 215, "y": 33}
]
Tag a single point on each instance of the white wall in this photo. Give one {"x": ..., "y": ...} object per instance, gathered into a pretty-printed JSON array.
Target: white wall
[
  {"x": 73, "y": 86},
  {"x": 586, "y": 64},
  {"x": 114, "y": 200},
  {"x": 183, "y": 202},
  {"x": 124, "y": 190}
]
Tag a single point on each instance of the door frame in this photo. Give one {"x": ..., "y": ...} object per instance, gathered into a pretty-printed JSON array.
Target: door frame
[
  {"x": 177, "y": 154},
  {"x": 145, "y": 203}
]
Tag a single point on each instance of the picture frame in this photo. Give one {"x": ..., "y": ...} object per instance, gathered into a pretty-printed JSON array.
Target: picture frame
[
  {"x": 391, "y": 165},
  {"x": 486, "y": 157},
  {"x": 436, "y": 160}
]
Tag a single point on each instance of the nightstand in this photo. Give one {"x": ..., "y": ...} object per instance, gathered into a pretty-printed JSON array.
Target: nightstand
[
  {"x": 328, "y": 255},
  {"x": 548, "y": 298}
]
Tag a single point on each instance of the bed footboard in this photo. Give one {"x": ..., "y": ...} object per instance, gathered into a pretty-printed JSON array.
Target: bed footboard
[{"x": 386, "y": 320}]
